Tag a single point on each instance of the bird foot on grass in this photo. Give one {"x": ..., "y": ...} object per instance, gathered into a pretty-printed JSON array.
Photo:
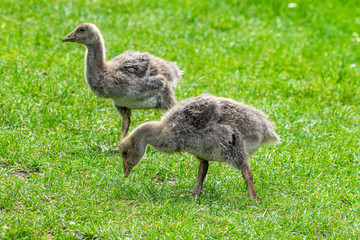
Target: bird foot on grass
[
  {"x": 254, "y": 198},
  {"x": 196, "y": 193}
]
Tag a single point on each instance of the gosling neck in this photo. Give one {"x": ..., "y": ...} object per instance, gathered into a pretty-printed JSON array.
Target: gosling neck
[
  {"x": 95, "y": 54},
  {"x": 149, "y": 133}
]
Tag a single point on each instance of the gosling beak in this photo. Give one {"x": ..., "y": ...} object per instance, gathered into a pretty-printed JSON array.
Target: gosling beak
[
  {"x": 127, "y": 168},
  {"x": 69, "y": 38}
]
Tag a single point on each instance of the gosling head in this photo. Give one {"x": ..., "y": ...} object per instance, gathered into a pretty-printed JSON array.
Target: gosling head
[
  {"x": 85, "y": 33},
  {"x": 131, "y": 152}
]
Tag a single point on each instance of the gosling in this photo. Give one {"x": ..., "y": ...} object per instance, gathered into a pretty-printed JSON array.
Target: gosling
[
  {"x": 211, "y": 128},
  {"x": 133, "y": 80}
]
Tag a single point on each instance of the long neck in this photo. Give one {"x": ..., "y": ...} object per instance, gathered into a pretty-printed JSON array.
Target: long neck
[
  {"x": 147, "y": 132},
  {"x": 95, "y": 54},
  {"x": 150, "y": 133},
  {"x": 95, "y": 66}
]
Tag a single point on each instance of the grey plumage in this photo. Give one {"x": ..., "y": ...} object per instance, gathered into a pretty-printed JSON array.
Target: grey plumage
[
  {"x": 211, "y": 128},
  {"x": 133, "y": 80}
]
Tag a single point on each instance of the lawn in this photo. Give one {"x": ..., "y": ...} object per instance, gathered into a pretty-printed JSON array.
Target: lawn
[{"x": 299, "y": 63}]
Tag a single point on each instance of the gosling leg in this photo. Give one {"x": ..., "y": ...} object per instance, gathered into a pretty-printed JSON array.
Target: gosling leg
[
  {"x": 125, "y": 114},
  {"x": 125, "y": 126},
  {"x": 203, "y": 168},
  {"x": 247, "y": 175}
]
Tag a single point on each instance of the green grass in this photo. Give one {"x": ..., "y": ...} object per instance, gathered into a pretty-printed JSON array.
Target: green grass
[{"x": 299, "y": 65}]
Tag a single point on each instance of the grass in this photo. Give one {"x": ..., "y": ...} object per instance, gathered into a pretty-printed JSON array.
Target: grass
[{"x": 299, "y": 65}]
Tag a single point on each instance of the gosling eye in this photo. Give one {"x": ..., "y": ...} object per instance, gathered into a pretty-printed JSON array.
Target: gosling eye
[
  {"x": 82, "y": 29},
  {"x": 233, "y": 140},
  {"x": 125, "y": 153}
]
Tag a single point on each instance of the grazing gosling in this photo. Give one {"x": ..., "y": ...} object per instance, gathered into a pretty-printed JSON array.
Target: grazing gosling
[
  {"x": 211, "y": 128},
  {"x": 133, "y": 80}
]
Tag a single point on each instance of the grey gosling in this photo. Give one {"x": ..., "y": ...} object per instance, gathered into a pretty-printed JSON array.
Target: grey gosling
[
  {"x": 211, "y": 128},
  {"x": 133, "y": 80}
]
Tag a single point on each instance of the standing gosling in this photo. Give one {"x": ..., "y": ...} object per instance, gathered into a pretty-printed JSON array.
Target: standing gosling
[
  {"x": 133, "y": 80},
  {"x": 211, "y": 128}
]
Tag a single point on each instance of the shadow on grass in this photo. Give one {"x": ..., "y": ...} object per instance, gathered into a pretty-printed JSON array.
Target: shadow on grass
[
  {"x": 19, "y": 173},
  {"x": 165, "y": 192},
  {"x": 22, "y": 174}
]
